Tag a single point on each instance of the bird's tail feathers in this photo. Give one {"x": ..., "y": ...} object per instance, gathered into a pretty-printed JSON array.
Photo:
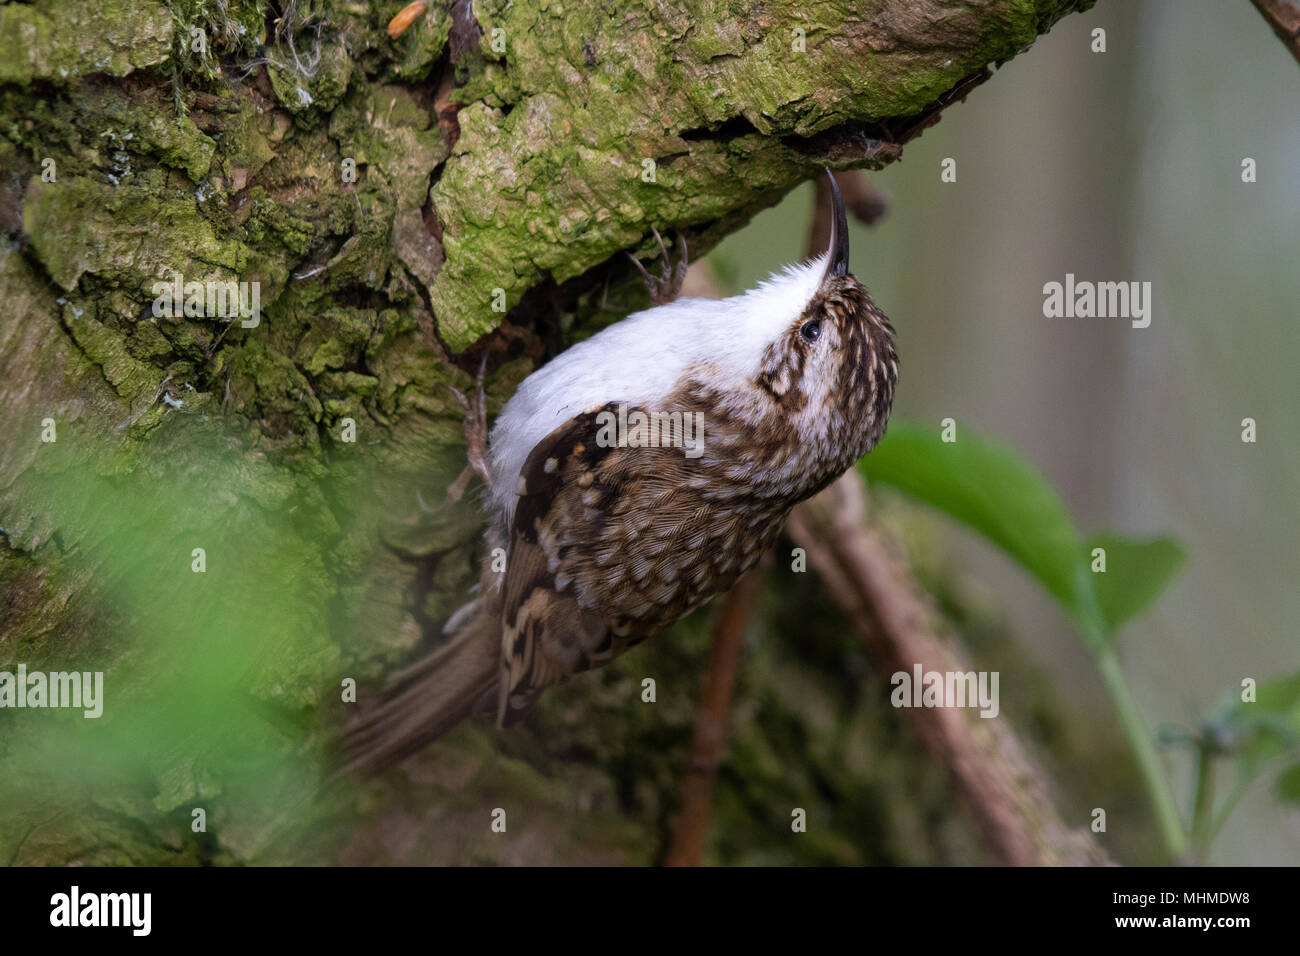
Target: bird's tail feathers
[{"x": 428, "y": 699}]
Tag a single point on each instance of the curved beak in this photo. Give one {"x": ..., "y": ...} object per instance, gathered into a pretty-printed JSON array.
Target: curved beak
[{"x": 837, "y": 263}]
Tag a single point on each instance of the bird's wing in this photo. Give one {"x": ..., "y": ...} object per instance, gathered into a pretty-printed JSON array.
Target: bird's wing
[
  {"x": 586, "y": 574},
  {"x": 546, "y": 634}
]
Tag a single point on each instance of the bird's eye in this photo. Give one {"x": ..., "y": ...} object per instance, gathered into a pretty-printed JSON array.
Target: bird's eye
[{"x": 811, "y": 331}]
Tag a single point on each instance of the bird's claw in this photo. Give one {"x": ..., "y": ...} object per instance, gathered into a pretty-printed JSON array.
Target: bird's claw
[
  {"x": 476, "y": 434},
  {"x": 667, "y": 286}
]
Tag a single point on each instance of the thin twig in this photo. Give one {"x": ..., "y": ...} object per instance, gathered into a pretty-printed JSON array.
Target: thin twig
[
  {"x": 1284, "y": 17},
  {"x": 709, "y": 741}
]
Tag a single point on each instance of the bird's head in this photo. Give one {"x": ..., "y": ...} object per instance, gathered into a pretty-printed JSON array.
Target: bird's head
[{"x": 819, "y": 355}]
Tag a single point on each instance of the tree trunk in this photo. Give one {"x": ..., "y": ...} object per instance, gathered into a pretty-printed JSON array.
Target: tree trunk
[{"x": 232, "y": 517}]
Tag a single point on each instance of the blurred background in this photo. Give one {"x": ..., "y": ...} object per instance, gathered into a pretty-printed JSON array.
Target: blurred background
[{"x": 1124, "y": 165}]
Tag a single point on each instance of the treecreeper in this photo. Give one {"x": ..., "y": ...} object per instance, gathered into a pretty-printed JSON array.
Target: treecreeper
[{"x": 638, "y": 474}]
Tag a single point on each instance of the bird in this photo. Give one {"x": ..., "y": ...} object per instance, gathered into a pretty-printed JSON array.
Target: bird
[{"x": 609, "y": 536}]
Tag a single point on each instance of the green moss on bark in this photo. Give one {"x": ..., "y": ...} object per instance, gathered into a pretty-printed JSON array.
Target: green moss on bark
[
  {"x": 716, "y": 101},
  {"x": 59, "y": 40}
]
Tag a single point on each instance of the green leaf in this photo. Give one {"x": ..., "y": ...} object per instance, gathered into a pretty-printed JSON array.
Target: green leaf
[
  {"x": 1136, "y": 573},
  {"x": 997, "y": 493}
]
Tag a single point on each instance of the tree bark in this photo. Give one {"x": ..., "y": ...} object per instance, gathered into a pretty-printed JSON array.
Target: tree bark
[{"x": 232, "y": 518}]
